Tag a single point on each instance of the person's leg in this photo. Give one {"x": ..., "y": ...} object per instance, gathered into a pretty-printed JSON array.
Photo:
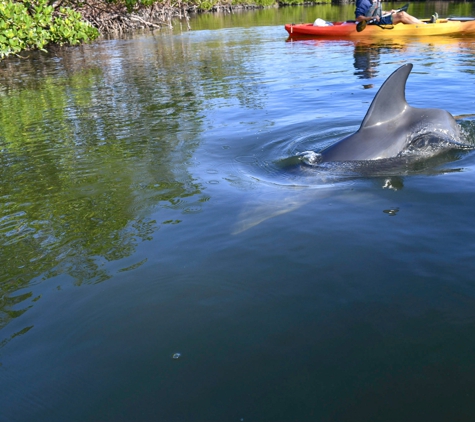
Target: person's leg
[{"x": 403, "y": 17}]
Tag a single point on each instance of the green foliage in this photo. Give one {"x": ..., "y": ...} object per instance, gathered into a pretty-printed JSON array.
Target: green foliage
[
  {"x": 256, "y": 3},
  {"x": 203, "y": 5},
  {"x": 264, "y": 2},
  {"x": 35, "y": 24},
  {"x": 299, "y": 2},
  {"x": 133, "y": 4},
  {"x": 207, "y": 4},
  {"x": 69, "y": 28}
]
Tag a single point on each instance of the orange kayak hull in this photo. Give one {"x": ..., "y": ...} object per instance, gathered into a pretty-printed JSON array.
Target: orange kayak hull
[{"x": 348, "y": 30}]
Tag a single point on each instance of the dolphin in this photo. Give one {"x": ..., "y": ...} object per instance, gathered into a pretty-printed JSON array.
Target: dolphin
[{"x": 391, "y": 125}]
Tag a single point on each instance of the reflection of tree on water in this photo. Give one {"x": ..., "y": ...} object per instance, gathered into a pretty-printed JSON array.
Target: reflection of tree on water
[
  {"x": 77, "y": 192},
  {"x": 85, "y": 159},
  {"x": 93, "y": 141}
]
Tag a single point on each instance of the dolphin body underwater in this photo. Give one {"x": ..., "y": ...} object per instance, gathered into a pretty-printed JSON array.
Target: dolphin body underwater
[{"x": 391, "y": 127}]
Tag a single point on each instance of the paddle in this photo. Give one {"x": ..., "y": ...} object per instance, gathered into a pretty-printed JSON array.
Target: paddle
[
  {"x": 362, "y": 25},
  {"x": 461, "y": 18}
]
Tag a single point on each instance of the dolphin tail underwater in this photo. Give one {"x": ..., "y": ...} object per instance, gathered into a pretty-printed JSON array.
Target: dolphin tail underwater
[{"x": 391, "y": 125}]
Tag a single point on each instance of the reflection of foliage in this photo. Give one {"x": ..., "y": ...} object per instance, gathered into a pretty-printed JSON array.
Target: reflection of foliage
[
  {"x": 85, "y": 158},
  {"x": 210, "y": 4},
  {"x": 94, "y": 141},
  {"x": 269, "y": 16}
]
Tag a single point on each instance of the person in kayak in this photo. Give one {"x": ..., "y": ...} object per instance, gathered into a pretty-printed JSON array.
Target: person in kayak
[{"x": 367, "y": 10}]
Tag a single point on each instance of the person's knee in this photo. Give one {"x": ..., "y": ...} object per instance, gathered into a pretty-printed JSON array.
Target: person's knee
[
  {"x": 397, "y": 18},
  {"x": 401, "y": 17}
]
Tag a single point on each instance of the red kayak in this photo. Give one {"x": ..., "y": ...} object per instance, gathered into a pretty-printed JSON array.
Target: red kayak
[{"x": 450, "y": 26}]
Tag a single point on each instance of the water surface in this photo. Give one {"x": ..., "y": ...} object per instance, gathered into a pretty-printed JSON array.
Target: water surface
[{"x": 151, "y": 204}]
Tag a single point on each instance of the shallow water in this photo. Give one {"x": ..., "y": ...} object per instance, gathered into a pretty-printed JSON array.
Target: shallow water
[{"x": 151, "y": 204}]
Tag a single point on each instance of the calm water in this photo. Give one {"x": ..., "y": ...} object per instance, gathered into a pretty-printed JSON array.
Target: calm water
[{"x": 150, "y": 205}]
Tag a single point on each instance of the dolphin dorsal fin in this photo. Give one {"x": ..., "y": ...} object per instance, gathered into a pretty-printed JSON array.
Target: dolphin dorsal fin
[{"x": 390, "y": 101}]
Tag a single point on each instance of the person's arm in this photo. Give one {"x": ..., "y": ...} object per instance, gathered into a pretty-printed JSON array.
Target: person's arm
[{"x": 362, "y": 8}]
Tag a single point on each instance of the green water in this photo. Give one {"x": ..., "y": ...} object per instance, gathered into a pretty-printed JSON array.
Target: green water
[{"x": 151, "y": 205}]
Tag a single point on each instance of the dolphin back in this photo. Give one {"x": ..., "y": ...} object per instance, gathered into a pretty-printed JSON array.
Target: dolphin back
[{"x": 391, "y": 124}]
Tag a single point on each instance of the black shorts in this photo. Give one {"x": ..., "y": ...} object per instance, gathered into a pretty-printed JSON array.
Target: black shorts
[{"x": 385, "y": 20}]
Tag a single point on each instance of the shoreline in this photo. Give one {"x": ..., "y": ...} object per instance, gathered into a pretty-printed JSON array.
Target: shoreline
[{"x": 118, "y": 20}]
